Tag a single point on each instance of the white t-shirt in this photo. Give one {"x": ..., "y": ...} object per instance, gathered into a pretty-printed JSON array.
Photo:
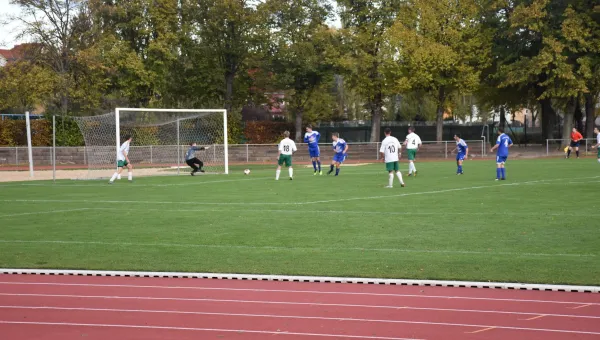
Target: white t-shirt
[
  {"x": 390, "y": 147},
  {"x": 598, "y": 138},
  {"x": 124, "y": 147},
  {"x": 287, "y": 147},
  {"x": 413, "y": 141}
]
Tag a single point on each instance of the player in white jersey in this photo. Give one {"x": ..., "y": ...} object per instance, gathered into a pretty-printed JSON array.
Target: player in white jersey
[
  {"x": 286, "y": 148},
  {"x": 390, "y": 150},
  {"x": 597, "y": 146},
  {"x": 123, "y": 161},
  {"x": 413, "y": 143}
]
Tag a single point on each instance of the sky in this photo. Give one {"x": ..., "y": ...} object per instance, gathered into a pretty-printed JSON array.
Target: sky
[{"x": 8, "y": 31}]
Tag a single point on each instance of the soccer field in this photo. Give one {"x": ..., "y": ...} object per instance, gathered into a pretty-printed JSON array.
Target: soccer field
[{"x": 542, "y": 225}]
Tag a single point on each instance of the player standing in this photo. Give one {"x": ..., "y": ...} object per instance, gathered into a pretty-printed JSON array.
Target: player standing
[
  {"x": 502, "y": 144},
  {"x": 192, "y": 160},
  {"x": 312, "y": 139},
  {"x": 286, "y": 148},
  {"x": 576, "y": 138},
  {"x": 390, "y": 148},
  {"x": 597, "y": 146},
  {"x": 462, "y": 153},
  {"x": 340, "y": 147},
  {"x": 123, "y": 161},
  {"x": 413, "y": 143}
]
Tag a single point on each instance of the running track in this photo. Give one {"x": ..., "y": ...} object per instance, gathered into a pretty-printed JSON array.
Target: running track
[{"x": 80, "y": 307}]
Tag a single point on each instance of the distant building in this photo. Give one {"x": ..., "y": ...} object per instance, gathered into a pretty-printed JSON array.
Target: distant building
[{"x": 16, "y": 53}]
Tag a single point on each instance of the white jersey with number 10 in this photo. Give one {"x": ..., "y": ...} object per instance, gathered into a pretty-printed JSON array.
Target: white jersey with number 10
[
  {"x": 287, "y": 147},
  {"x": 390, "y": 147}
]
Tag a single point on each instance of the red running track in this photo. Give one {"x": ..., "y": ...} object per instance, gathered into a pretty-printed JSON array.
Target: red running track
[{"x": 78, "y": 307}]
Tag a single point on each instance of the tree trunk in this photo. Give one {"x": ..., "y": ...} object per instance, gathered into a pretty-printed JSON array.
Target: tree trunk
[
  {"x": 590, "y": 104},
  {"x": 439, "y": 131},
  {"x": 299, "y": 114},
  {"x": 548, "y": 118},
  {"x": 376, "y": 105},
  {"x": 229, "y": 77},
  {"x": 578, "y": 115},
  {"x": 502, "y": 117},
  {"x": 568, "y": 120}
]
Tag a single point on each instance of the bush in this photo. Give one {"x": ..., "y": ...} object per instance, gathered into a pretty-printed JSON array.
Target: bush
[{"x": 266, "y": 132}]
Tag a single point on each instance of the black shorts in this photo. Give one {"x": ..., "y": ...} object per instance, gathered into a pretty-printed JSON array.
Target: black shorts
[
  {"x": 193, "y": 161},
  {"x": 575, "y": 144}
]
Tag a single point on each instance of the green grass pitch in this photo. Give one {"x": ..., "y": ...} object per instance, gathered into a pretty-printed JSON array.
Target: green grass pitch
[{"x": 542, "y": 225}]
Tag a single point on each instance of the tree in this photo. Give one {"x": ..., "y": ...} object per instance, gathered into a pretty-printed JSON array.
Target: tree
[
  {"x": 440, "y": 48},
  {"x": 25, "y": 86},
  {"x": 365, "y": 25},
  {"x": 300, "y": 42}
]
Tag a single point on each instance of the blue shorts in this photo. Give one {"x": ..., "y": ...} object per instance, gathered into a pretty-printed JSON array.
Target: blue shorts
[
  {"x": 314, "y": 153},
  {"x": 575, "y": 144},
  {"x": 501, "y": 159},
  {"x": 339, "y": 158},
  {"x": 460, "y": 157}
]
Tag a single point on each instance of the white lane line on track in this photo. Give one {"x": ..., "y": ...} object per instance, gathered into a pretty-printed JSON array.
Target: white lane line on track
[
  {"x": 108, "y": 297},
  {"x": 239, "y": 331},
  {"x": 257, "y": 290},
  {"x": 385, "y": 321}
]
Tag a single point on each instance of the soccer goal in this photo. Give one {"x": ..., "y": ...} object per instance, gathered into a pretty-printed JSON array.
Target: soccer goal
[{"x": 161, "y": 138}]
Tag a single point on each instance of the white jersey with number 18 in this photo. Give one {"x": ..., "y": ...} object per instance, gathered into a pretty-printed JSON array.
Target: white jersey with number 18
[
  {"x": 287, "y": 146},
  {"x": 390, "y": 147}
]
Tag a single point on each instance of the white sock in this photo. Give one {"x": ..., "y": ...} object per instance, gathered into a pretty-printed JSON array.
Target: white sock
[
  {"x": 277, "y": 174},
  {"x": 410, "y": 166},
  {"x": 291, "y": 170},
  {"x": 130, "y": 175},
  {"x": 119, "y": 176},
  {"x": 112, "y": 179},
  {"x": 399, "y": 174},
  {"x": 391, "y": 180}
]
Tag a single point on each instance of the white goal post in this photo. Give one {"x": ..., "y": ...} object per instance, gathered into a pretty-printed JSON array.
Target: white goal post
[{"x": 161, "y": 138}]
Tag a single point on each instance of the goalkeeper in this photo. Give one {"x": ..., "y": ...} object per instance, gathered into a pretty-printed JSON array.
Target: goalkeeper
[{"x": 192, "y": 160}]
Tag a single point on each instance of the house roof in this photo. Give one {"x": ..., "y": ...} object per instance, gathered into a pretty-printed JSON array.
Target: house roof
[{"x": 15, "y": 53}]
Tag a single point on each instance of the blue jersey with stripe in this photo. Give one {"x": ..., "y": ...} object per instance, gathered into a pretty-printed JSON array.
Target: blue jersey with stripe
[
  {"x": 339, "y": 146},
  {"x": 312, "y": 139},
  {"x": 462, "y": 146},
  {"x": 503, "y": 142}
]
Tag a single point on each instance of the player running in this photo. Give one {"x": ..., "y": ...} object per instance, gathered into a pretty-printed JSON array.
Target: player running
[
  {"x": 123, "y": 161},
  {"x": 286, "y": 148},
  {"x": 413, "y": 143},
  {"x": 192, "y": 160},
  {"x": 462, "y": 153},
  {"x": 503, "y": 143},
  {"x": 597, "y": 146},
  {"x": 312, "y": 139},
  {"x": 390, "y": 148},
  {"x": 576, "y": 138},
  {"x": 340, "y": 147}
]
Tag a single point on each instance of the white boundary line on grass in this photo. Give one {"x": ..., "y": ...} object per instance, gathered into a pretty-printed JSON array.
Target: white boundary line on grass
[
  {"x": 323, "y": 279},
  {"x": 300, "y": 317},
  {"x": 233, "y": 246},
  {"x": 238, "y": 331},
  {"x": 45, "y": 212},
  {"x": 297, "y": 203}
]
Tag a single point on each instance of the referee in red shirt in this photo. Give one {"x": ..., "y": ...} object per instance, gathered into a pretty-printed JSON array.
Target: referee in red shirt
[{"x": 576, "y": 138}]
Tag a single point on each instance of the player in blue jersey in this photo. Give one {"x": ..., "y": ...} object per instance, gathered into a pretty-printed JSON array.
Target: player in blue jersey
[
  {"x": 340, "y": 147},
  {"x": 462, "y": 153},
  {"x": 312, "y": 139},
  {"x": 503, "y": 143}
]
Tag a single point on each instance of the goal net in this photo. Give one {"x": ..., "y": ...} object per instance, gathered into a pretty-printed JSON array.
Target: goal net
[{"x": 161, "y": 138}]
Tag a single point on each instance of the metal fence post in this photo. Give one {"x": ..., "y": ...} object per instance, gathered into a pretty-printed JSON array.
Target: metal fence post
[
  {"x": 151, "y": 154},
  {"x": 16, "y": 156},
  {"x": 547, "y": 148},
  {"x": 247, "y": 155},
  {"x": 446, "y": 149}
]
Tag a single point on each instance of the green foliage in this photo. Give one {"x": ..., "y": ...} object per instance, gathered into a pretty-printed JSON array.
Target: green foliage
[{"x": 25, "y": 86}]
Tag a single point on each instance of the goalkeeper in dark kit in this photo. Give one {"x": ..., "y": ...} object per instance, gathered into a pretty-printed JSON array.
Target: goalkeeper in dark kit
[{"x": 192, "y": 160}]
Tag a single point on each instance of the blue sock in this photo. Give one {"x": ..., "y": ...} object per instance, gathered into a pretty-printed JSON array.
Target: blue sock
[
  {"x": 315, "y": 165},
  {"x": 460, "y": 169},
  {"x": 337, "y": 171},
  {"x": 498, "y": 173},
  {"x": 503, "y": 171},
  {"x": 319, "y": 163}
]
